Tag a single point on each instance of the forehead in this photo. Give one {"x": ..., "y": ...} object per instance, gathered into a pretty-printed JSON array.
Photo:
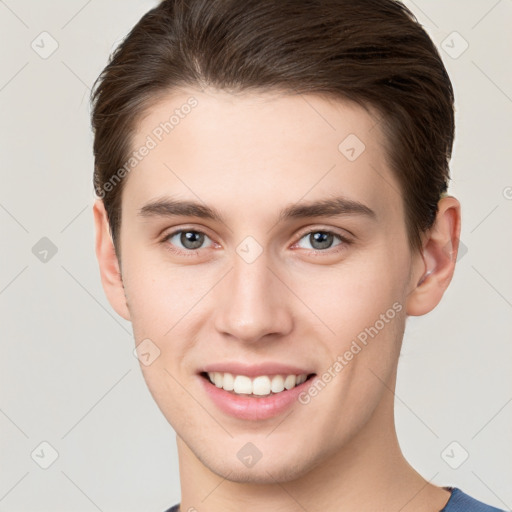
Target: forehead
[{"x": 249, "y": 149}]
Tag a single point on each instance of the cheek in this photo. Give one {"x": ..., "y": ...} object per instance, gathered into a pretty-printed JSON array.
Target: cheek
[
  {"x": 157, "y": 295},
  {"x": 164, "y": 304},
  {"x": 351, "y": 296},
  {"x": 171, "y": 397}
]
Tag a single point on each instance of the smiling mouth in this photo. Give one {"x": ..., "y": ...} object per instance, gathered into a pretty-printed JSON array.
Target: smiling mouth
[{"x": 260, "y": 386}]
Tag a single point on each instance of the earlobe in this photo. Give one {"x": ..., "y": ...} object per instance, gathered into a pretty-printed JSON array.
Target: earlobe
[
  {"x": 108, "y": 262},
  {"x": 436, "y": 263}
]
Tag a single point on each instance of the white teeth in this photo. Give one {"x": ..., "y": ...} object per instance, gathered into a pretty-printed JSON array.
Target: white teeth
[
  {"x": 217, "y": 379},
  {"x": 229, "y": 382},
  {"x": 277, "y": 384},
  {"x": 290, "y": 381},
  {"x": 262, "y": 385},
  {"x": 242, "y": 385},
  {"x": 301, "y": 378}
]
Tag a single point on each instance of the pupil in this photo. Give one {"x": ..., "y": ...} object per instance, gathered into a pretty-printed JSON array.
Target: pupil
[
  {"x": 194, "y": 240},
  {"x": 191, "y": 239},
  {"x": 323, "y": 239}
]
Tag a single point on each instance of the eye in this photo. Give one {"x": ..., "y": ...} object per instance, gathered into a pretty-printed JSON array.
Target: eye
[
  {"x": 320, "y": 240},
  {"x": 186, "y": 240}
]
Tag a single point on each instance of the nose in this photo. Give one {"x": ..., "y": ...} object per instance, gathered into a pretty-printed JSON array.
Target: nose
[{"x": 252, "y": 302}]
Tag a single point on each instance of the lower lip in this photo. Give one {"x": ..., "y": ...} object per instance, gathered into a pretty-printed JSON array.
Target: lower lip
[{"x": 253, "y": 408}]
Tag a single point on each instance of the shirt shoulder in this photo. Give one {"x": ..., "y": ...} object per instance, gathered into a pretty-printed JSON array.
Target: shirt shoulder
[
  {"x": 461, "y": 502},
  {"x": 173, "y": 509}
]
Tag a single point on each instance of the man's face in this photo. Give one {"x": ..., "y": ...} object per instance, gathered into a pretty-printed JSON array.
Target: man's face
[{"x": 260, "y": 290}]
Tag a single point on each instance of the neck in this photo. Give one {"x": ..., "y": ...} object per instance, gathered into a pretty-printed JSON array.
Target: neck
[{"x": 366, "y": 474}]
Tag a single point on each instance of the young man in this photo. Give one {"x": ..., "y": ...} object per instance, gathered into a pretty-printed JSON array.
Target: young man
[{"x": 272, "y": 206}]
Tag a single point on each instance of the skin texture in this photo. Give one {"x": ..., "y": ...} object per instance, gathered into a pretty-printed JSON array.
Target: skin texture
[{"x": 249, "y": 156}]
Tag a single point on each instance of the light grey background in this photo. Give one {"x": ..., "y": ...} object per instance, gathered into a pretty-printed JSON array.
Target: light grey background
[{"x": 68, "y": 374}]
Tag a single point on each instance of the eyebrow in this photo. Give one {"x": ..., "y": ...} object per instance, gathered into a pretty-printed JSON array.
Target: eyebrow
[{"x": 331, "y": 207}]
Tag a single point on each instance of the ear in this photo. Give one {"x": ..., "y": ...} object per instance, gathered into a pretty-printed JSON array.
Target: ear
[
  {"x": 435, "y": 266},
  {"x": 108, "y": 262}
]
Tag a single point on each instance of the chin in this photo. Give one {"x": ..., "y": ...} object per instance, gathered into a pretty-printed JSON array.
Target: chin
[{"x": 266, "y": 471}]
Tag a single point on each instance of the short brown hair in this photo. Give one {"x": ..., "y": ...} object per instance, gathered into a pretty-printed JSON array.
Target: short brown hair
[{"x": 372, "y": 52}]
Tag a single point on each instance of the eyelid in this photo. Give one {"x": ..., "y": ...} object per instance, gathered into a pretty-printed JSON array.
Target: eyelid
[
  {"x": 344, "y": 241},
  {"x": 188, "y": 252},
  {"x": 306, "y": 231},
  {"x": 325, "y": 229},
  {"x": 175, "y": 230}
]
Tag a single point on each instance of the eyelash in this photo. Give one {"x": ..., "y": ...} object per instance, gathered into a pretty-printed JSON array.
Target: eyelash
[{"x": 194, "y": 252}]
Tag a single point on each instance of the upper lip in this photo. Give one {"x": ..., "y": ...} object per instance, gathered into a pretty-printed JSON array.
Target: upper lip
[{"x": 254, "y": 370}]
